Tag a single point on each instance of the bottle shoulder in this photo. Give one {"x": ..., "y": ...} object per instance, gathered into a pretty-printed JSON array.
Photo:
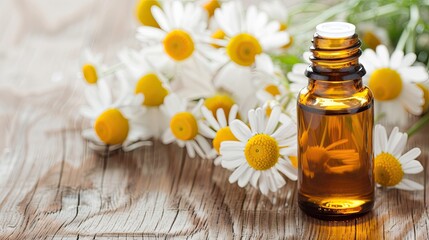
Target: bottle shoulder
[{"x": 347, "y": 101}]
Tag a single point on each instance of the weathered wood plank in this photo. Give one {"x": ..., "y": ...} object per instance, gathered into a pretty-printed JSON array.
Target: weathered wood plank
[{"x": 54, "y": 185}]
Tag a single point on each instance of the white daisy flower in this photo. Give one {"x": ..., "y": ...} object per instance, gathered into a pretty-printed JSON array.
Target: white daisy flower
[
  {"x": 278, "y": 10},
  {"x": 249, "y": 37},
  {"x": 115, "y": 123},
  {"x": 391, "y": 80},
  {"x": 390, "y": 165},
  {"x": 184, "y": 126},
  {"x": 146, "y": 80},
  {"x": 372, "y": 35},
  {"x": 261, "y": 152},
  {"x": 217, "y": 128},
  {"x": 92, "y": 68},
  {"x": 180, "y": 45},
  {"x": 297, "y": 77}
]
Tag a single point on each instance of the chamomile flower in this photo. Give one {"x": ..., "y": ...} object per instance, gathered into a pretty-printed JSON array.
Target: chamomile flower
[
  {"x": 271, "y": 91},
  {"x": 146, "y": 80},
  {"x": 390, "y": 165},
  {"x": 92, "y": 68},
  {"x": 372, "y": 35},
  {"x": 297, "y": 77},
  {"x": 392, "y": 81},
  {"x": 180, "y": 44},
  {"x": 277, "y": 10},
  {"x": 114, "y": 123},
  {"x": 261, "y": 152},
  {"x": 249, "y": 37},
  {"x": 217, "y": 128},
  {"x": 184, "y": 126},
  {"x": 210, "y": 6}
]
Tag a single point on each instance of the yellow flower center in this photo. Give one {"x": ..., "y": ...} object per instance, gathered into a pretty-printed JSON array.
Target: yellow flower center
[
  {"x": 262, "y": 152},
  {"x": 112, "y": 127},
  {"x": 243, "y": 48},
  {"x": 219, "y": 34},
  {"x": 272, "y": 89},
  {"x": 387, "y": 170},
  {"x": 144, "y": 13},
  {"x": 224, "y": 134},
  {"x": 210, "y": 6},
  {"x": 371, "y": 40},
  {"x": 219, "y": 101},
  {"x": 385, "y": 83},
  {"x": 184, "y": 126},
  {"x": 90, "y": 73},
  {"x": 294, "y": 161},
  {"x": 425, "y": 90},
  {"x": 179, "y": 45},
  {"x": 152, "y": 89}
]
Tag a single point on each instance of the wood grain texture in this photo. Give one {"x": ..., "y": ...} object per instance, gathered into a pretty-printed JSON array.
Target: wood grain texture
[{"x": 53, "y": 186}]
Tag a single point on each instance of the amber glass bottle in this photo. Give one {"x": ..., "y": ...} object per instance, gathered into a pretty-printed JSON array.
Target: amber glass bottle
[{"x": 335, "y": 124}]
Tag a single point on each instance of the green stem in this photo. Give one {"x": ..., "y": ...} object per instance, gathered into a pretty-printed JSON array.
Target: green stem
[
  {"x": 418, "y": 125},
  {"x": 414, "y": 18},
  {"x": 380, "y": 11}
]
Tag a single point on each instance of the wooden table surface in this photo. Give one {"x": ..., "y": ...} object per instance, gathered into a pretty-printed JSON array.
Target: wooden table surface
[{"x": 53, "y": 186}]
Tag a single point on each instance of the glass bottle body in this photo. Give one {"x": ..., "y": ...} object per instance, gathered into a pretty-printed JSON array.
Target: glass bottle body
[{"x": 335, "y": 124}]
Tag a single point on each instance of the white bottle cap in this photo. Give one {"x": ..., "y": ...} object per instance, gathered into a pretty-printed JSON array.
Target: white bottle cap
[{"x": 335, "y": 29}]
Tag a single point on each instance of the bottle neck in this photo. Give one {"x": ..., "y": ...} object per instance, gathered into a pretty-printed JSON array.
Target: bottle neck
[{"x": 335, "y": 59}]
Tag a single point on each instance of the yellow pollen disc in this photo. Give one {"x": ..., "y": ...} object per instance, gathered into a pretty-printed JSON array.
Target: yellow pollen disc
[
  {"x": 272, "y": 89},
  {"x": 219, "y": 34},
  {"x": 152, "y": 89},
  {"x": 316, "y": 154},
  {"x": 223, "y": 134},
  {"x": 210, "y": 6},
  {"x": 219, "y": 101},
  {"x": 294, "y": 161},
  {"x": 371, "y": 40},
  {"x": 425, "y": 90},
  {"x": 387, "y": 170},
  {"x": 144, "y": 13},
  {"x": 112, "y": 127},
  {"x": 184, "y": 126},
  {"x": 262, "y": 152},
  {"x": 283, "y": 26},
  {"x": 90, "y": 73},
  {"x": 178, "y": 44},
  {"x": 385, "y": 83},
  {"x": 268, "y": 111},
  {"x": 243, "y": 48}
]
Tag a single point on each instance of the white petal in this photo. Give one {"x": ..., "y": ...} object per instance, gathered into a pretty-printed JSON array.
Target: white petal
[
  {"x": 414, "y": 73},
  {"x": 232, "y": 113},
  {"x": 383, "y": 55},
  {"x": 413, "y": 167},
  {"x": 408, "y": 59},
  {"x": 232, "y": 146},
  {"x": 220, "y": 115},
  {"x": 409, "y": 156},
  {"x": 255, "y": 178},
  {"x": 210, "y": 118},
  {"x": 240, "y": 130},
  {"x": 273, "y": 120},
  {"x": 206, "y": 131},
  {"x": 245, "y": 177},
  {"x": 190, "y": 149},
  {"x": 237, "y": 173},
  {"x": 284, "y": 131},
  {"x": 396, "y": 59},
  {"x": 168, "y": 137},
  {"x": 160, "y": 18},
  {"x": 232, "y": 164},
  {"x": 202, "y": 142},
  {"x": 287, "y": 169},
  {"x": 409, "y": 185},
  {"x": 380, "y": 140},
  {"x": 197, "y": 149}
]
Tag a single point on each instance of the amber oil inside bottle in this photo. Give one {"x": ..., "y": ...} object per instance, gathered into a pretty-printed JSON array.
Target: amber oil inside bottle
[{"x": 335, "y": 124}]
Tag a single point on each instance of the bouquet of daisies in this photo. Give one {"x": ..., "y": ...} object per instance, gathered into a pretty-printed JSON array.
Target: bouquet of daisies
[{"x": 221, "y": 79}]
